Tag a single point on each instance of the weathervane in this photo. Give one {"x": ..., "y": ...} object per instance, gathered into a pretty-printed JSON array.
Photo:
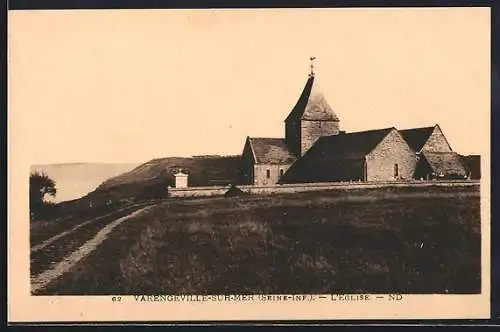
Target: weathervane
[{"x": 312, "y": 65}]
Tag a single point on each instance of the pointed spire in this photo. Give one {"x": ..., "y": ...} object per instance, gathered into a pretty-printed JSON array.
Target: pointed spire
[
  {"x": 312, "y": 66},
  {"x": 312, "y": 104}
]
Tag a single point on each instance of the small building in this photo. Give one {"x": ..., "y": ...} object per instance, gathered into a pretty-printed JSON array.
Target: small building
[
  {"x": 265, "y": 160},
  {"x": 436, "y": 158},
  {"x": 181, "y": 179}
]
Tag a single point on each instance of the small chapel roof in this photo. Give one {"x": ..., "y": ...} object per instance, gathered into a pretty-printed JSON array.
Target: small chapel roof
[
  {"x": 312, "y": 104},
  {"x": 416, "y": 137},
  {"x": 271, "y": 150},
  {"x": 445, "y": 163}
]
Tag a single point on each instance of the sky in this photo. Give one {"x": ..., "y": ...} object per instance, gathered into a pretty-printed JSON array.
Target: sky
[{"x": 133, "y": 85}]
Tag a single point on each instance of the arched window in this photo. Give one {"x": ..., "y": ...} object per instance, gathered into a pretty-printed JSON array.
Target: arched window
[
  {"x": 281, "y": 172},
  {"x": 396, "y": 170},
  {"x": 268, "y": 174}
]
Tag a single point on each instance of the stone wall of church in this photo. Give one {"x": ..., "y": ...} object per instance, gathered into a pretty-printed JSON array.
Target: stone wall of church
[
  {"x": 312, "y": 130},
  {"x": 267, "y": 174},
  {"x": 391, "y": 160},
  {"x": 436, "y": 142}
]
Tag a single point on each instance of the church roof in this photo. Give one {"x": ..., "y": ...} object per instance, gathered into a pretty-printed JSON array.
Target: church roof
[
  {"x": 312, "y": 104},
  {"x": 445, "y": 163},
  {"x": 271, "y": 151},
  {"x": 336, "y": 157},
  {"x": 349, "y": 145},
  {"x": 416, "y": 137}
]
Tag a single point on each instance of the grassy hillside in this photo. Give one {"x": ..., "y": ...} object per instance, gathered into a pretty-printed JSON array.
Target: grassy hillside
[
  {"x": 408, "y": 240},
  {"x": 75, "y": 180},
  {"x": 151, "y": 178},
  {"x": 146, "y": 181}
]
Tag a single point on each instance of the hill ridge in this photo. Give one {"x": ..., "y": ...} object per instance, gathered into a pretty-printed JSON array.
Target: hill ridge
[{"x": 151, "y": 178}]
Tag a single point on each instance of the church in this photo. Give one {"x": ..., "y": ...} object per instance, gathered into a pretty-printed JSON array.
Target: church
[{"x": 315, "y": 149}]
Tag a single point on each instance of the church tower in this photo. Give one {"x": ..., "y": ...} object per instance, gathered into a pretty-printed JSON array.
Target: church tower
[{"x": 311, "y": 118}]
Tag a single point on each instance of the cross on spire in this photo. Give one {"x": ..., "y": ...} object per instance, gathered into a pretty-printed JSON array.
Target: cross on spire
[{"x": 312, "y": 65}]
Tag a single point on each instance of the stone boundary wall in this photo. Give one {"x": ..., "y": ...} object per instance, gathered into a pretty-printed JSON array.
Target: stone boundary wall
[
  {"x": 197, "y": 191},
  {"x": 303, "y": 187}
]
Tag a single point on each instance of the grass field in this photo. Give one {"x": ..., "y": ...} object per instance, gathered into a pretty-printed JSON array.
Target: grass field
[{"x": 408, "y": 240}]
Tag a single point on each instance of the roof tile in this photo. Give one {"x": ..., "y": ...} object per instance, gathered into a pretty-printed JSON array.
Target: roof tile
[
  {"x": 312, "y": 105},
  {"x": 271, "y": 151},
  {"x": 416, "y": 137},
  {"x": 445, "y": 163}
]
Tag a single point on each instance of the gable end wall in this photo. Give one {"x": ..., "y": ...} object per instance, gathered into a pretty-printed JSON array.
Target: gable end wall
[
  {"x": 436, "y": 142},
  {"x": 260, "y": 171},
  {"x": 392, "y": 150}
]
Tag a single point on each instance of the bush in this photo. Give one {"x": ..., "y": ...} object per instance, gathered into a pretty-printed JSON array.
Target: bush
[{"x": 41, "y": 185}]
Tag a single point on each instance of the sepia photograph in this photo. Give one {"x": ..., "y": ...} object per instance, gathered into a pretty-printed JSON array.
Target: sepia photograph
[{"x": 316, "y": 155}]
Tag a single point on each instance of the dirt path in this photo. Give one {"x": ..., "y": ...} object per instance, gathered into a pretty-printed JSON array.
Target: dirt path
[
  {"x": 41, "y": 280},
  {"x": 54, "y": 238}
]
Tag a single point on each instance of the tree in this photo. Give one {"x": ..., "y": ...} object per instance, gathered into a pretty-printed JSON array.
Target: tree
[{"x": 41, "y": 185}]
